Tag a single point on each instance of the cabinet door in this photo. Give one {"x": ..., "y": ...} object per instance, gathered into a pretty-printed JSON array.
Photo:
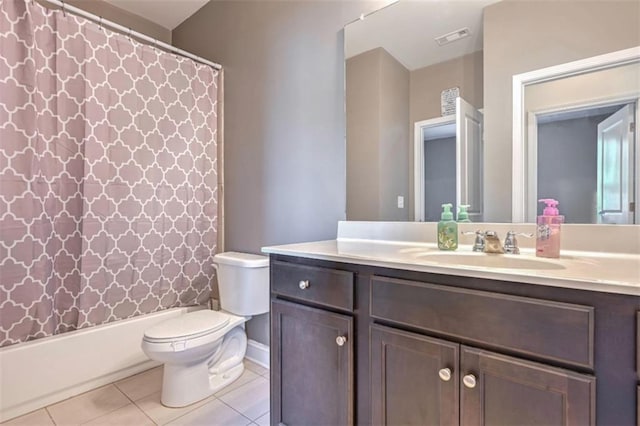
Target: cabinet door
[
  {"x": 414, "y": 379},
  {"x": 312, "y": 369},
  {"x": 501, "y": 390}
]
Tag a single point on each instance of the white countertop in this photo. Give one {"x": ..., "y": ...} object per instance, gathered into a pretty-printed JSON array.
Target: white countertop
[{"x": 594, "y": 271}]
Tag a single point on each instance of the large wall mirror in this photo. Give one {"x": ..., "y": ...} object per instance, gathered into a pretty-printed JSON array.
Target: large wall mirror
[{"x": 397, "y": 70}]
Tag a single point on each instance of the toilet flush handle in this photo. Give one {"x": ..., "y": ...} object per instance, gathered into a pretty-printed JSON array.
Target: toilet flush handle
[
  {"x": 304, "y": 284},
  {"x": 178, "y": 346}
]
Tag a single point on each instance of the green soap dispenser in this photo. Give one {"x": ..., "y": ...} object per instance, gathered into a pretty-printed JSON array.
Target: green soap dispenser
[
  {"x": 447, "y": 229},
  {"x": 463, "y": 215}
]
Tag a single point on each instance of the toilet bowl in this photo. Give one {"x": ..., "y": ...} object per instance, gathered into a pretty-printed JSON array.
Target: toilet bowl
[{"x": 202, "y": 351}]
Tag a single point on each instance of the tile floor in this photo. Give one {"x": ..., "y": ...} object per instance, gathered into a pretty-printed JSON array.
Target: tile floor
[{"x": 135, "y": 401}]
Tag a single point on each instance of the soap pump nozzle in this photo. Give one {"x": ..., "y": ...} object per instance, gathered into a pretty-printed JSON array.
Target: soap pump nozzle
[
  {"x": 552, "y": 207},
  {"x": 446, "y": 212},
  {"x": 463, "y": 215}
]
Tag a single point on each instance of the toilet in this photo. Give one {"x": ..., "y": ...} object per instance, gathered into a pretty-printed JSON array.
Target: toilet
[{"x": 202, "y": 351}]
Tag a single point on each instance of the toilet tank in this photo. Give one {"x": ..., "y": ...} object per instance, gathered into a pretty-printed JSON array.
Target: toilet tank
[{"x": 243, "y": 282}]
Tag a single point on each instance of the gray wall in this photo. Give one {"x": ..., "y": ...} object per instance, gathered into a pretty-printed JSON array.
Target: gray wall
[
  {"x": 363, "y": 133},
  {"x": 524, "y": 35},
  {"x": 394, "y": 139},
  {"x": 428, "y": 83},
  {"x": 284, "y": 130},
  {"x": 369, "y": 93},
  {"x": 567, "y": 166},
  {"x": 377, "y": 101}
]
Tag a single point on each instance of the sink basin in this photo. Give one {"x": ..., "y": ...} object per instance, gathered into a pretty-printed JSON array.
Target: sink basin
[{"x": 491, "y": 260}]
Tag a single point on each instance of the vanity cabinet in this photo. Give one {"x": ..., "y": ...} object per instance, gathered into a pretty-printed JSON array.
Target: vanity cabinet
[
  {"x": 312, "y": 349},
  {"x": 434, "y": 349},
  {"x": 499, "y": 389},
  {"x": 414, "y": 379},
  {"x": 417, "y": 380}
]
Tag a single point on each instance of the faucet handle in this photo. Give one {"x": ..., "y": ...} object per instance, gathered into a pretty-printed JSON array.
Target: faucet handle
[
  {"x": 511, "y": 243},
  {"x": 478, "y": 244}
]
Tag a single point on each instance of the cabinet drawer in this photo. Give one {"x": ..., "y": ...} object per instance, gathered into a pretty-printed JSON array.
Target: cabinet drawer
[
  {"x": 542, "y": 328},
  {"x": 323, "y": 286}
]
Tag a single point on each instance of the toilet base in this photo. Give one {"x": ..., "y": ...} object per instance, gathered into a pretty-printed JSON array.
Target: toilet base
[{"x": 183, "y": 385}]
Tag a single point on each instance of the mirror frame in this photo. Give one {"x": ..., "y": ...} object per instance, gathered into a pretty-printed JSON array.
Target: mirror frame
[{"x": 524, "y": 159}]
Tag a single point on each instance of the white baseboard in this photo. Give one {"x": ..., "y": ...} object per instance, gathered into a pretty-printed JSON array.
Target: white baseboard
[{"x": 258, "y": 353}]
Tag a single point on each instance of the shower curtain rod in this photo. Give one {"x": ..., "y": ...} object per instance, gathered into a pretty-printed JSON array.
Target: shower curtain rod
[{"x": 128, "y": 31}]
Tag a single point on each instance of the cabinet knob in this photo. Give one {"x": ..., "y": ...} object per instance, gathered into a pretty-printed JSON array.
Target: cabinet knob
[
  {"x": 469, "y": 381},
  {"x": 341, "y": 340},
  {"x": 304, "y": 284},
  {"x": 445, "y": 374}
]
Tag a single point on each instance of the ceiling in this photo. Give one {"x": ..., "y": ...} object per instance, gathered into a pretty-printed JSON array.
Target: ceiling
[
  {"x": 407, "y": 30},
  {"x": 166, "y": 13}
]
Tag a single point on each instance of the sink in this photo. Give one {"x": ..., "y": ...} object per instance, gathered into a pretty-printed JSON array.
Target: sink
[{"x": 491, "y": 260}]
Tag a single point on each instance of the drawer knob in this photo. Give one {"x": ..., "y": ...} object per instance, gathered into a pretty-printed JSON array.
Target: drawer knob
[
  {"x": 341, "y": 340},
  {"x": 304, "y": 284},
  {"x": 469, "y": 381},
  {"x": 445, "y": 374}
]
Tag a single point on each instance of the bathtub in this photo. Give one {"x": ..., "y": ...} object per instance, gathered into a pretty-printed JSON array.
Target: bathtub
[{"x": 44, "y": 371}]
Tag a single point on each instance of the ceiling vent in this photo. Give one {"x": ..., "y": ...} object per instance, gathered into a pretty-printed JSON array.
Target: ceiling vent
[{"x": 453, "y": 36}]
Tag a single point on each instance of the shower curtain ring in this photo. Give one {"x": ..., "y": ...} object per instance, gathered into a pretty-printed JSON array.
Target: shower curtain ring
[
  {"x": 130, "y": 34},
  {"x": 64, "y": 12},
  {"x": 100, "y": 24}
]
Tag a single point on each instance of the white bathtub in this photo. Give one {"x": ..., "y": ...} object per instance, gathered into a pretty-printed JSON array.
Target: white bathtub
[{"x": 44, "y": 371}]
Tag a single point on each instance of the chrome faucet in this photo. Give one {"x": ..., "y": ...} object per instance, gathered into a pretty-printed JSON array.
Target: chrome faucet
[
  {"x": 489, "y": 242},
  {"x": 511, "y": 244},
  {"x": 478, "y": 244}
]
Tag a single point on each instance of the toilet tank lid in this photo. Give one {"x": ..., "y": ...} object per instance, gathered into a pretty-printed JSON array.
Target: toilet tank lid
[{"x": 245, "y": 260}]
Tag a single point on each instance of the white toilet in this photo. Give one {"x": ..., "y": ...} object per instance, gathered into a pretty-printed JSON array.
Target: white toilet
[{"x": 202, "y": 351}]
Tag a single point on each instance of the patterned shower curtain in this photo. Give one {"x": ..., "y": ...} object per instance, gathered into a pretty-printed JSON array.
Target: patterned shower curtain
[{"x": 108, "y": 201}]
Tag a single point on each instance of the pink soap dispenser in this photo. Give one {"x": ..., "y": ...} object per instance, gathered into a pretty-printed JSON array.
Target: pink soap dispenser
[{"x": 548, "y": 231}]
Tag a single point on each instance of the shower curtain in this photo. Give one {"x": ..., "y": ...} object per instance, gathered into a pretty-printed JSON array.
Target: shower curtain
[{"x": 108, "y": 202}]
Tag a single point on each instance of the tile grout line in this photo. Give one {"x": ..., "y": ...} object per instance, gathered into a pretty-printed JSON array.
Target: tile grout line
[
  {"x": 84, "y": 393},
  {"x": 134, "y": 403},
  {"x": 46, "y": 410},
  {"x": 108, "y": 412},
  {"x": 192, "y": 410},
  {"x": 242, "y": 415},
  {"x": 145, "y": 413},
  {"x": 240, "y": 387},
  {"x": 243, "y": 385}
]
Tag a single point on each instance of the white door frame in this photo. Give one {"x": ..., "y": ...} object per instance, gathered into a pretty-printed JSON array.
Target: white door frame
[
  {"x": 520, "y": 149},
  {"x": 418, "y": 161},
  {"x": 532, "y": 144}
]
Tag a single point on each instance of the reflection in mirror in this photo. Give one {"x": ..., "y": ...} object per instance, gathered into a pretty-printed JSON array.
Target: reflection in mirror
[
  {"x": 387, "y": 91},
  {"x": 448, "y": 163},
  {"x": 580, "y": 139},
  {"x": 396, "y": 72}
]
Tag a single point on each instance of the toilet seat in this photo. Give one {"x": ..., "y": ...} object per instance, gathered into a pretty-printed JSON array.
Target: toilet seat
[{"x": 188, "y": 326}]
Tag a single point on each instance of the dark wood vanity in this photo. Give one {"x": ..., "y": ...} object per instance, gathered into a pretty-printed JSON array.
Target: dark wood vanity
[{"x": 354, "y": 344}]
